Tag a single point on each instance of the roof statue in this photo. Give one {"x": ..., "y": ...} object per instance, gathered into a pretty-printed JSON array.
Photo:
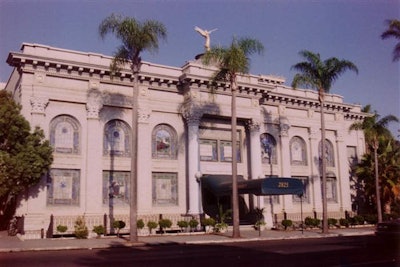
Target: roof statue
[{"x": 205, "y": 34}]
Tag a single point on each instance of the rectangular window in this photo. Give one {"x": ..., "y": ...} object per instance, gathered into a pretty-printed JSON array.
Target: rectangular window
[
  {"x": 165, "y": 189},
  {"x": 208, "y": 150},
  {"x": 306, "y": 195},
  {"x": 63, "y": 187},
  {"x": 225, "y": 149},
  {"x": 116, "y": 188}
]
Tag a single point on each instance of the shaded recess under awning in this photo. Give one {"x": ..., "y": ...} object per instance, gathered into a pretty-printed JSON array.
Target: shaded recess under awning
[{"x": 221, "y": 185}]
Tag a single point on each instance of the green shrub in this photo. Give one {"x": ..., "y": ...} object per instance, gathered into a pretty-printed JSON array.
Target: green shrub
[
  {"x": 119, "y": 225},
  {"x": 344, "y": 222},
  {"x": 183, "y": 224},
  {"x": 287, "y": 223},
  {"x": 81, "y": 231},
  {"x": 371, "y": 218},
  {"x": 208, "y": 222},
  {"x": 140, "y": 224},
  {"x": 312, "y": 222},
  {"x": 193, "y": 223},
  {"x": 332, "y": 221},
  {"x": 359, "y": 219},
  {"x": 99, "y": 229},
  {"x": 152, "y": 225},
  {"x": 62, "y": 228},
  {"x": 165, "y": 223}
]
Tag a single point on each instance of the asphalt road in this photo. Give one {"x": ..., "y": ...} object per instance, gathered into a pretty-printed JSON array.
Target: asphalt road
[{"x": 335, "y": 251}]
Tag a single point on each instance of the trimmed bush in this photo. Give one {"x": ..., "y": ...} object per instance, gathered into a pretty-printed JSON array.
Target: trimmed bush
[
  {"x": 287, "y": 223},
  {"x": 183, "y": 224},
  {"x": 359, "y": 220},
  {"x": 140, "y": 224},
  {"x": 62, "y": 229},
  {"x": 312, "y": 222},
  {"x": 165, "y": 223},
  {"x": 371, "y": 218},
  {"x": 344, "y": 222},
  {"x": 208, "y": 222},
  {"x": 193, "y": 224},
  {"x": 99, "y": 229},
  {"x": 152, "y": 225},
  {"x": 332, "y": 221},
  {"x": 119, "y": 225}
]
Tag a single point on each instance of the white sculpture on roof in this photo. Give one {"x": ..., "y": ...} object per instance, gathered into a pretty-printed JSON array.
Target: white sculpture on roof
[{"x": 206, "y": 35}]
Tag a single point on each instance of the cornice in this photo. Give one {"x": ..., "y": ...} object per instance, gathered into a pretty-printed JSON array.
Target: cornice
[{"x": 81, "y": 70}]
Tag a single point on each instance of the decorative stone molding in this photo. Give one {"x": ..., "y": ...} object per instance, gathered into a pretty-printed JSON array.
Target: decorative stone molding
[
  {"x": 284, "y": 126},
  {"x": 253, "y": 125},
  {"x": 143, "y": 115},
  {"x": 39, "y": 104},
  {"x": 94, "y": 104},
  {"x": 339, "y": 136}
]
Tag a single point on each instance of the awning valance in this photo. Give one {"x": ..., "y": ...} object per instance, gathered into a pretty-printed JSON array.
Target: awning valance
[{"x": 221, "y": 185}]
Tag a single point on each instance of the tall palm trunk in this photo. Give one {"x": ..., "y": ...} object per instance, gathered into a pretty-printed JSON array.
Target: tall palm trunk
[
  {"x": 134, "y": 146},
  {"x": 325, "y": 227},
  {"x": 235, "y": 197},
  {"x": 378, "y": 195}
]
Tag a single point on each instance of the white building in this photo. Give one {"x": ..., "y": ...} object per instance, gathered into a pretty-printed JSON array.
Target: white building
[{"x": 184, "y": 133}]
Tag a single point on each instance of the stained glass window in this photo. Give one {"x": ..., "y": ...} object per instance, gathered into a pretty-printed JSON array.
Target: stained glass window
[
  {"x": 63, "y": 187},
  {"x": 64, "y": 134},
  {"x": 116, "y": 188},
  {"x": 117, "y": 139},
  {"x": 165, "y": 189},
  {"x": 298, "y": 151},
  {"x": 268, "y": 148},
  {"x": 164, "y": 142}
]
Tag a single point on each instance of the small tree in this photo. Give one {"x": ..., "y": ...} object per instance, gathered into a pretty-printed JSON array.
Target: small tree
[
  {"x": 25, "y": 157},
  {"x": 165, "y": 223},
  {"x": 193, "y": 224},
  {"x": 287, "y": 223},
  {"x": 152, "y": 225},
  {"x": 119, "y": 225},
  {"x": 81, "y": 230},
  {"x": 140, "y": 224}
]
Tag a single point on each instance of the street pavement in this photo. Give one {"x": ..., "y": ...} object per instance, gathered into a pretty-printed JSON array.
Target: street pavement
[{"x": 16, "y": 243}]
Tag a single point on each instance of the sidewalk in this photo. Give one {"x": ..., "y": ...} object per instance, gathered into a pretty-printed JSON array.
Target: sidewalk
[{"x": 15, "y": 244}]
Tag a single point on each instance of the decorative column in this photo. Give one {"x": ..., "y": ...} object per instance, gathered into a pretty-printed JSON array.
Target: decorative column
[
  {"x": 314, "y": 160},
  {"x": 193, "y": 116},
  {"x": 343, "y": 173},
  {"x": 144, "y": 170},
  {"x": 38, "y": 110},
  {"x": 284, "y": 126},
  {"x": 94, "y": 152}
]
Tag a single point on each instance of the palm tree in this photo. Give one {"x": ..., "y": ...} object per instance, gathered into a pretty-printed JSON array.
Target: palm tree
[
  {"x": 393, "y": 31},
  {"x": 233, "y": 61},
  {"x": 374, "y": 128},
  {"x": 320, "y": 75},
  {"x": 136, "y": 37}
]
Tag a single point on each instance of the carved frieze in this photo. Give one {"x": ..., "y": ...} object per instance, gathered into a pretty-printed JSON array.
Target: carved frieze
[{"x": 39, "y": 104}]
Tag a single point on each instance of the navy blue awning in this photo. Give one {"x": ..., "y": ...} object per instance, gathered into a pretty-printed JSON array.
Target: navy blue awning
[{"x": 221, "y": 185}]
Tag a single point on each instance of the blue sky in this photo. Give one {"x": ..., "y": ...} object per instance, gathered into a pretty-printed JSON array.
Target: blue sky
[{"x": 346, "y": 29}]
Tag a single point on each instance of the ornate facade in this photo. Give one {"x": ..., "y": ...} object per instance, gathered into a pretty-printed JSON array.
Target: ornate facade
[{"x": 183, "y": 133}]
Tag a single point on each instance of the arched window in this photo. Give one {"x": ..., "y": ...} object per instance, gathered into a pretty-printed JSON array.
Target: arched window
[
  {"x": 65, "y": 135},
  {"x": 116, "y": 139},
  {"x": 268, "y": 149},
  {"x": 328, "y": 152},
  {"x": 164, "y": 142},
  {"x": 298, "y": 151}
]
